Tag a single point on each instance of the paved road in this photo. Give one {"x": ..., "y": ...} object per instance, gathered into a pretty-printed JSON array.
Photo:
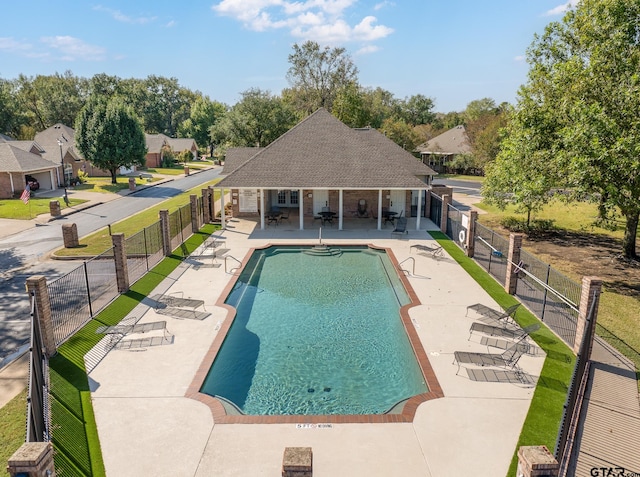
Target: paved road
[
  {"x": 461, "y": 187},
  {"x": 26, "y": 253}
]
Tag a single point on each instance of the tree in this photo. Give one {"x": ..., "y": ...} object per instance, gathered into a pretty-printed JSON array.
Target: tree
[
  {"x": 256, "y": 120},
  {"x": 480, "y": 107},
  {"x": 584, "y": 85},
  {"x": 401, "y": 133},
  {"x": 204, "y": 114},
  {"x": 485, "y": 135},
  {"x": 417, "y": 109},
  {"x": 316, "y": 75},
  {"x": 110, "y": 136},
  {"x": 349, "y": 106}
]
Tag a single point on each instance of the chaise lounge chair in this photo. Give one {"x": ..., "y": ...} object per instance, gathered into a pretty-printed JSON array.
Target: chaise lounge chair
[
  {"x": 492, "y": 316},
  {"x": 508, "y": 359},
  {"x": 401, "y": 226},
  {"x": 503, "y": 332}
]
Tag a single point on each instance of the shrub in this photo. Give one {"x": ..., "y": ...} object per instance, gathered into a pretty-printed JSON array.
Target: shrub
[{"x": 534, "y": 227}]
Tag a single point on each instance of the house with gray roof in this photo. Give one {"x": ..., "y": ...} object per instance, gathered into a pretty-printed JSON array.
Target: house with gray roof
[
  {"x": 19, "y": 165},
  {"x": 442, "y": 149},
  {"x": 156, "y": 143},
  {"x": 236, "y": 156},
  {"x": 322, "y": 164}
]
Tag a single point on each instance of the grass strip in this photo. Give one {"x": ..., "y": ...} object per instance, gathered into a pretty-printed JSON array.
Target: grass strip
[
  {"x": 75, "y": 435},
  {"x": 13, "y": 430},
  {"x": 547, "y": 405}
]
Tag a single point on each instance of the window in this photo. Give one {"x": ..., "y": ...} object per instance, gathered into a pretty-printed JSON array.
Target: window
[
  {"x": 294, "y": 197},
  {"x": 282, "y": 197}
]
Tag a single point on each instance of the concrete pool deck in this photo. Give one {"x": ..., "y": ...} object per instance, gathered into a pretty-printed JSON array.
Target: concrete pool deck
[{"x": 148, "y": 427}]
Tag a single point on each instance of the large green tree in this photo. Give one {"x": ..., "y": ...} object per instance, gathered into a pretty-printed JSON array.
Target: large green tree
[
  {"x": 204, "y": 114},
  {"x": 584, "y": 86},
  {"x": 256, "y": 120},
  {"x": 110, "y": 135},
  {"x": 317, "y": 74}
]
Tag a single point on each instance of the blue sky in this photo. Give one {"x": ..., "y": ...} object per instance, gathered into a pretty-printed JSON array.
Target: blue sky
[{"x": 451, "y": 51}]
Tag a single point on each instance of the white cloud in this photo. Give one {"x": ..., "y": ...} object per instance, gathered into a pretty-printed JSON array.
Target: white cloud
[
  {"x": 121, "y": 17},
  {"x": 15, "y": 46},
  {"x": 319, "y": 20},
  {"x": 560, "y": 9},
  {"x": 365, "y": 50},
  {"x": 73, "y": 49},
  {"x": 520, "y": 58},
  {"x": 385, "y": 3},
  {"x": 170, "y": 24}
]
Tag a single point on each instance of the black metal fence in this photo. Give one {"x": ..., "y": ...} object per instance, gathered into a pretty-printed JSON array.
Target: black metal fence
[
  {"x": 490, "y": 251},
  {"x": 435, "y": 209},
  {"x": 455, "y": 230},
  {"x": 38, "y": 411},
  {"x": 144, "y": 251},
  {"x": 550, "y": 295}
]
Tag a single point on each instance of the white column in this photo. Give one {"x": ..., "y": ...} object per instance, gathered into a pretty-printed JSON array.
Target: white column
[
  {"x": 261, "y": 209},
  {"x": 380, "y": 209},
  {"x": 222, "y": 217},
  {"x": 340, "y": 205},
  {"x": 419, "y": 209},
  {"x": 301, "y": 207}
]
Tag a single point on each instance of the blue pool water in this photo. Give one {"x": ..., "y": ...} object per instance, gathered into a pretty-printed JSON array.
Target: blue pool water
[{"x": 316, "y": 335}]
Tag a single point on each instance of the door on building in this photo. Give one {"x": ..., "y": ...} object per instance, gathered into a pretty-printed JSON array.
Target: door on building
[
  {"x": 320, "y": 200},
  {"x": 397, "y": 202}
]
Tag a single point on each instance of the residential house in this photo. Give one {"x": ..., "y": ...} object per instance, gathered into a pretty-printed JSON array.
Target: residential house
[
  {"x": 156, "y": 143},
  {"x": 59, "y": 148},
  {"x": 20, "y": 163},
  {"x": 236, "y": 156},
  {"x": 321, "y": 164},
  {"x": 440, "y": 151}
]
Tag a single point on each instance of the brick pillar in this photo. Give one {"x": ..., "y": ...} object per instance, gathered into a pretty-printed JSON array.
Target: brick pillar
[
  {"x": 590, "y": 294},
  {"x": 206, "y": 205},
  {"x": 471, "y": 233},
  {"x": 166, "y": 232},
  {"x": 120, "y": 257},
  {"x": 32, "y": 459},
  {"x": 511, "y": 280},
  {"x": 38, "y": 291},
  {"x": 186, "y": 170},
  {"x": 297, "y": 462},
  {"x": 427, "y": 205},
  {"x": 70, "y": 235},
  {"x": 132, "y": 183},
  {"x": 212, "y": 203},
  {"x": 193, "y": 202},
  {"x": 536, "y": 461},
  {"x": 446, "y": 200},
  {"x": 54, "y": 208}
]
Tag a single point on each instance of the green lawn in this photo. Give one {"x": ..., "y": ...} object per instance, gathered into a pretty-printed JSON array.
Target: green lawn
[
  {"x": 459, "y": 177},
  {"x": 172, "y": 171},
  {"x": 104, "y": 185},
  {"x": 100, "y": 241},
  {"x": 13, "y": 417},
  {"x": 16, "y": 209}
]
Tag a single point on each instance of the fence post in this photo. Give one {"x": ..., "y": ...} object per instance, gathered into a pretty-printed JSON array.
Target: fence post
[
  {"x": 444, "y": 215},
  {"x": 589, "y": 296},
  {"x": 120, "y": 258},
  {"x": 37, "y": 288},
  {"x": 511, "y": 279},
  {"x": 212, "y": 203},
  {"x": 471, "y": 233},
  {"x": 193, "y": 201},
  {"x": 166, "y": 232},
  {"x": 536, "y": 461},
  {"x": 427, "y": 205},
  {"x": 206, "y": 205},
  {"x": 32, "y": 459}
]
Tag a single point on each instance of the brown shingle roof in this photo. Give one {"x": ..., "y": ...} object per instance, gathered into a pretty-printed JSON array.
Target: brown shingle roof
[
  {"x": 15, "y": 159},
  {"x": 155, "y": 142},
  {"x": 323, "y": 152},
  {"x": 453, "y": 141},
  {"x": 235, "y": 156},
  {"x": 48, "y": 139}
]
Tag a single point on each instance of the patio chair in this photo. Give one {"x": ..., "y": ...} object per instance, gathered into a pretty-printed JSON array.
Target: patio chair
[
  {"x": 401, "y": 226},
  {"x": 362, "y": 208},
  {"x": 502, "y": 331},
  {"x": 508, "y": 359},
  {"x": 435, "y": 251},
  {"x": 493, "y": 316}
]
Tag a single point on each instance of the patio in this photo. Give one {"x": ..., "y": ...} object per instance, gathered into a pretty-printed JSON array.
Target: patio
[{"x": 147, "y": 425}]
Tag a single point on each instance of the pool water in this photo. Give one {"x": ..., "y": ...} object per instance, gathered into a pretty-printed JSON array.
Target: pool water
[{"x": 316, "y": 335}]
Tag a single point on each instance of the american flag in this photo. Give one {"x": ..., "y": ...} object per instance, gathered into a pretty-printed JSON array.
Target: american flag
[{"x": 26, "y": 195}]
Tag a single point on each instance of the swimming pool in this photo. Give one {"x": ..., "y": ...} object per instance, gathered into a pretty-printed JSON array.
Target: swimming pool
[{"x": 316, "y": 334}]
